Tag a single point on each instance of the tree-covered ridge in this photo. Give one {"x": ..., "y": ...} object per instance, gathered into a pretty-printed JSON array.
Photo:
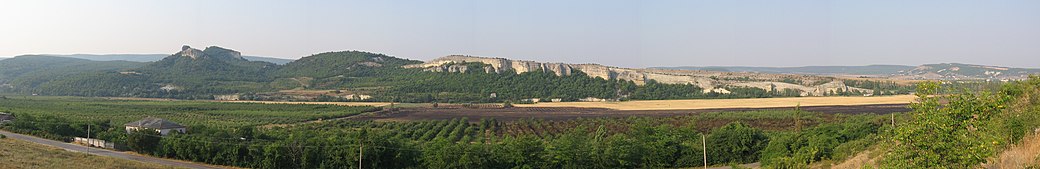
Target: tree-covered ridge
[
  {"x": 37, "y": 65},
  {"x": 39, "y": 74},
  {"x": 212, "y": 64},
  {"x": 201, "y": 74},
  {"x": 346, "y": 63}
]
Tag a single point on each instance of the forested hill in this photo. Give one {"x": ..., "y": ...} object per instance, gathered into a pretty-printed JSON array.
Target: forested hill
[
  {"x": 212, "y": 64},
  {"x": 191, "y": 73},
  {"x": 350, "y": 63},
  {"x": 154, "y": 57},
  {"x": 24, "y": 73}
]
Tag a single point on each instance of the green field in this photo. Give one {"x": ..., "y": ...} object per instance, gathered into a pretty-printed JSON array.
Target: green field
[{"x": 188, "y": 113}]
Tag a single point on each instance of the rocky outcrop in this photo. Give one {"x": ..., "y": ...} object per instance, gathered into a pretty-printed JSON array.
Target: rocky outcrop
[
  {"x": 708, "y": 81},
  {"x": 187, "y": 51},
  {"x": 212, "y": 51}
]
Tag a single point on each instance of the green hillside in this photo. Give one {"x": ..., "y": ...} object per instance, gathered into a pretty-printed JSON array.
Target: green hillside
[
  {"x": 200, "y": 74},
  {"x": 156, "y": 57},
  {"x": 348, "y": 63},
  {"x": 33, "y": 74},
  {"x": 212, "y": 64}
]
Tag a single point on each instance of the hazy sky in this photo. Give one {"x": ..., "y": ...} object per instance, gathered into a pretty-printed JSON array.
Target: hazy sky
[{"x": 627, "y": 33}]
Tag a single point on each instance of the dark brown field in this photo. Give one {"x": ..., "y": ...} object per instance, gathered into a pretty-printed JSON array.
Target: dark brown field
[{"x": 569, "y": 113}]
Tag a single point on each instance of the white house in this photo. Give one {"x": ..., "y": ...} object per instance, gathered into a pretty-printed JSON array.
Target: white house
[{"x": 163, "y": 126}]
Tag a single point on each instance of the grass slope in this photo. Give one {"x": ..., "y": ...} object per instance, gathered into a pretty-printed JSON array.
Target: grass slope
[{"x": 21, "y": 154}]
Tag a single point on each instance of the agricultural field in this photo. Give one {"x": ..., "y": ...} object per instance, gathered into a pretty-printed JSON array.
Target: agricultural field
[
  {"x": 190, "y": 113},
  {"x": 494, "y": 136},
  {"x": 571, "y": 113}
]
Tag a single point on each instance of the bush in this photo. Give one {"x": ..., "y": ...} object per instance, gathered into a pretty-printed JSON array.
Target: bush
[
  {"x": 967, "y": 129},
  {"x": 2, "y": 136},
  {"x": 736, "y": 143},
  {"x": 826, "y": 141}
]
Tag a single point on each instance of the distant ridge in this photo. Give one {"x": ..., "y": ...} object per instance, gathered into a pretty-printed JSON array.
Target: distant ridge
[
  {"x": 815, "y": 70},
  {"x": 155, "y": 57},
  {"x": 941, "y": 71}
]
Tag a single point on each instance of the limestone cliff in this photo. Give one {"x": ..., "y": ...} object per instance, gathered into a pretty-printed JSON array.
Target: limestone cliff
[{"x": 706, "y": 80}]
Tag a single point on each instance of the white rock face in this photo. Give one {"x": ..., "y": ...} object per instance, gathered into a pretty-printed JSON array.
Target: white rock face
[
  {"x": 708, "y": 81},
  {"x": 187, "y": 51}
]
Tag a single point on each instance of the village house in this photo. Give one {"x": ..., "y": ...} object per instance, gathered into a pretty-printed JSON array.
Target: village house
[
  {"x": 231, "y": 97},
  {"x": 162, "y": 126}
]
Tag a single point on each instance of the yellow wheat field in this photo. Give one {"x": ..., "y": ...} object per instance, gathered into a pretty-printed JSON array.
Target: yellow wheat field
[{"x": 732, "y": 103}]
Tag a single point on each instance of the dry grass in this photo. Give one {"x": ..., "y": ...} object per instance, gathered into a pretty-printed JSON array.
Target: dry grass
[
  {"x": 866, "y": 159},
  {"x": 22, "y": 154},
  {"x": 731, "y": 103},
  {"x": 1024, "y": 154}
]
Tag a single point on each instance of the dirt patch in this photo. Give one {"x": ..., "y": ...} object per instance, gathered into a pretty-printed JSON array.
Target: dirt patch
[{"x": 569, "y": 113}]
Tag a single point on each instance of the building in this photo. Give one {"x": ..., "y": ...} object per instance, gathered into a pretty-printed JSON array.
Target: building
[
  {"x": 6, "y": 117},
  {"x": 162, "y": 126},
  {"x": 97, "y": 143},
  {"x": 230, "y": 97}
]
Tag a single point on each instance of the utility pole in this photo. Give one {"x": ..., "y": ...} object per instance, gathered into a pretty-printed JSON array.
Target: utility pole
[
  {"x": 704, "y": 146},
  {"x": 360, "y": 153},
  {"x": 88, "y": 138}
]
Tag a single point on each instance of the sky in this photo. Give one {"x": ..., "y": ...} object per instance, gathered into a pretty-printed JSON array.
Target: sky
[{"x": 622, "y": 33}]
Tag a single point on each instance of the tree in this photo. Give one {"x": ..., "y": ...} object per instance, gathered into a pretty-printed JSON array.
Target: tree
[
  {"x": 735, "y": 143},
  {"x": 946, "y": 135},
  {"x": 143, "y": 141}
]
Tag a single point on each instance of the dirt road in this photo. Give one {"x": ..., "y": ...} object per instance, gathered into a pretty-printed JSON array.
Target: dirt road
[{"x": 104, "y": 152}]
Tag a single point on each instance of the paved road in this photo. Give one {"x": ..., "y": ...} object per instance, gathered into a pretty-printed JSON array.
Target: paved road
[
  {"x": 104, "y": 152},
  {"x": 752, "y": 165}
]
